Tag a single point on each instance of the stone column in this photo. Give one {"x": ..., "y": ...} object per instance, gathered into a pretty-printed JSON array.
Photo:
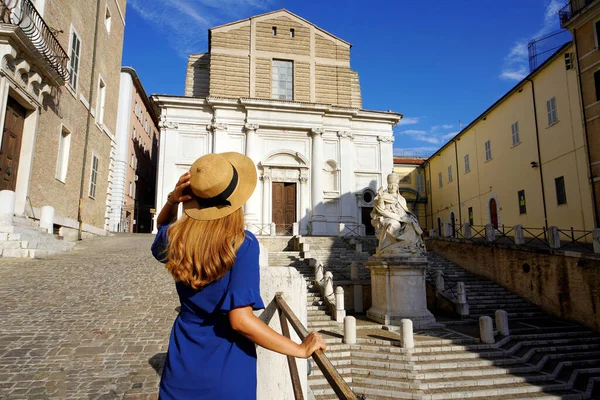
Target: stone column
[
  {"x": 386, "y": 149},
  {"x": 302, "y": 202},
  {"x": 346, "y": 169},
  {"x": 218, "y": 131},
  {"x": 519, "y": 236},
  {"x": 252, "y": 207},
  {"x": 318, "y": 222},
  {"x": 266, "y": 183}
]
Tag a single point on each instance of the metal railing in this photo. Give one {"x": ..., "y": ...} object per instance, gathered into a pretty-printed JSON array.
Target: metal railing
[
  {"x": 339, "y": 386},
  {"x": 571, "y": 238},
  {"x": 571, "y": 9},
  {"x": 351, "y": 230},
  {"x": 261, "y": 229},
  {"x": 284, "y": 229},
  {"x": 24, "y": 14}
]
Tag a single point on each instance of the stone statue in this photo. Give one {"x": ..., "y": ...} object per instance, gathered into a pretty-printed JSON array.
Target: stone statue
[{"x": 396, "y": 227}]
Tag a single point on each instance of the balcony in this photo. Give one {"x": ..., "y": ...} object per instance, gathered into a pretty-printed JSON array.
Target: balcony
[
  {"x": 42, "y": 42},
  {"x": 571, "y": 10}
]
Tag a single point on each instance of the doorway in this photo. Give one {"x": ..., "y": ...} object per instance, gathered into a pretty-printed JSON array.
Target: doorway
[
  {"x": 453, "y": 223},
  {"x": 11, "y": 144},
  {"x": 493, "y": 213},
  {"x": 366, "y": 220},
  {"x": 284, "y": 207}
]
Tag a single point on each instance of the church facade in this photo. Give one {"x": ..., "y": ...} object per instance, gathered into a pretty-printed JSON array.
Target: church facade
[{"x": 280, "y": 90}]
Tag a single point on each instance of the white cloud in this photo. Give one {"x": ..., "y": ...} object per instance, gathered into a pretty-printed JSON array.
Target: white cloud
[
  {"x": 438, "y": 127},
  {"x": 408, "y": 121},
  {"x": 449, "y": 135},
  {"x": 516, "y": 63},
  {"x": 420, "y": 135},
  {"x": 184, "y": 23}
]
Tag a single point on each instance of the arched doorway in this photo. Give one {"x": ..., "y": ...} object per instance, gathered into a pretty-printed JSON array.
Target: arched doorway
[
  {"x": 453, "y": 223},
  {"x": 494, "y": 213}
]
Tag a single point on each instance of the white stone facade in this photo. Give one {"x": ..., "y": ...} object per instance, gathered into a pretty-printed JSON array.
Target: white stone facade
[{"x": 330, "y": 155}]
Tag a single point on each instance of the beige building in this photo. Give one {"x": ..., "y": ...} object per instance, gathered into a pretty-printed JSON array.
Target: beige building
[
  {"x": 59, "y": 85},
  {"x": 582, "y": 18},
  {"x": 281, "y": 90},
  {"x": 134, "y": 167},
  {"x": 412, "y": 185},
  {"x": 522, "y": 161}
]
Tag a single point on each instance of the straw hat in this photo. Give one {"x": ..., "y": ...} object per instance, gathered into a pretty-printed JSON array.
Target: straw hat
[{"x": 220, "y": 184}]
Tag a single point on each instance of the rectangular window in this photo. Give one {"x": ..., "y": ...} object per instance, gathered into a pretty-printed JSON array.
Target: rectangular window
[
  {"x": 420, "y": 186},
  {"x": 449, "y": 173},
  {"x": 522, "y": 205},
  {"x": 597, "y": 33},
  {"x": 467, "y": 166},
  {"x": 551, "y": 109},
  {"x": 561, "y": 193},
  {"x": 75, "y": 54},
  {"x": 62, "y": 162},
  {"x": 93, "y": 176},
  {"x": 100, "y": 102},
  {"x": 274, "y": 31},
  {"x": 488, "y": 151},
  {"x": 515, "y": 133},
  {"x": 292, "y": 32},
  {"x": 130, "y": 189},
  {"x": 597, "y": 83},
  {"x": 283, "y": 80},
  {"x": 440, "y": 179},
  {"x": 471, "y": 216}
]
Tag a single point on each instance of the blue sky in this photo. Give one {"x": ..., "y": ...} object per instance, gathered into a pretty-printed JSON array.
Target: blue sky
[{"x": 440, "y": 63}]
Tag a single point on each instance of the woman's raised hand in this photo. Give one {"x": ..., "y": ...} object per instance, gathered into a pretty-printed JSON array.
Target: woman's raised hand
[
  {"x": 311, "y": 343},
  {"x": 177, "y": 195}
]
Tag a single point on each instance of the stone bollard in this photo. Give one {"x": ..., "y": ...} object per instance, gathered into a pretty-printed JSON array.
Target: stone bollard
[
  {"x": 340, "y": 312},
  {"x": 354, "y": 270},
  {"x": 502, "y": 322},
  {"x": 461, "y": 293},
  {"x": 7, "y": 206},
  {"x": 47, "y": 219},
  {"x": 486, "y": 330},
  {"x": 328, "y": 287},
  {"x": 490, "y": 233},
  {"x": 596, "y": 240},
  {"x": 341, "y": 227},
  {"x": 553, "y": 237},
  {"x": 362, "y": 230},
  {"x": 318, "y": 271},
  {"x": 408, "y": 340},
  {"x": 448, "y": 229},
  {"x": 439, "y": 280},
  {"x": 349, "y": 330},
  {"x": 358, "y": 298},
  {"x": 295, "y": 229},
  {"x": 519, "y": 236},
  {"x": 467, "y": 230},
  {"x": 273, "y": 229}
]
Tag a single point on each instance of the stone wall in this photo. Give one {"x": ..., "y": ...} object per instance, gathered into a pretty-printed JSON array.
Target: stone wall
[{"x": 565, "y": 284}]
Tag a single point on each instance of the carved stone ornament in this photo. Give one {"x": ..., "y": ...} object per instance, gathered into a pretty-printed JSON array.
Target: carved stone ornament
[
  {"x": 165, "y": 124},
  {"x": 303, "y": 179},
  {"x": 317, "y": 131},
  {"x": 265, "y": 177},
  {"x": 216, "y": 127},
  {"x": 345, "y": 134},
  {"x": 386, "y": 139},
  {"x": 251, "y": 127}
]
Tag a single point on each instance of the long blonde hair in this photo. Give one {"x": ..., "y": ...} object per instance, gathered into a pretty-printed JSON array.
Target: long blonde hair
[{"x": 200, "y": 252}]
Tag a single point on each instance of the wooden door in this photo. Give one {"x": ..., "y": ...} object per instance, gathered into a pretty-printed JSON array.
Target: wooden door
[
  {"x": 493, "y": 213},
  {"x": 11, "y": 144},
  {"x": 284, "y": 207}
]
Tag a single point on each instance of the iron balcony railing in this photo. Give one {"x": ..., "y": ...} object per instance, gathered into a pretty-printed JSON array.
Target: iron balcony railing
[
  {"x": 24, "y": 14},
  {"x": 571, "y": 9}
]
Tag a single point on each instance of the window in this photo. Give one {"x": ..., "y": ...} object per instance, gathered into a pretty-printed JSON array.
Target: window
[
  {"x": 93, "y": 176},
  {"x": 107, "y": 19},
  {"x": 420, "y": 186},
  {"x": 62, "y": 161},
  {"x": 561, "y": 194},
  {"x": 100, "y": 102},
  {"x": 551, "y": 109},
  {"x": 274, "y": 31},
  {"x": 597, "y": 83},
  {"x": 283, "y": 80},
  {"x": 292, "y": 32},
  {"x": 471, "y": 216},
  {"x": 488, "y": 151},
  {"x": 75, "y": 53},
  {"x": 522, "y": 205},
  {"x": 515, "y": 133},
  {"x": 440, "y": 179},
  {"x": 449, "y": 173},
  {"x": 597, "y": 33},
  {"x": 130, "y": 189},
  {"x": 467, "y": 166}
]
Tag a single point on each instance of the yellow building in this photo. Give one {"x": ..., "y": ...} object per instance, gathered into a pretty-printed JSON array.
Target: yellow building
[
  {"x": 412, "y": 185},
  {"x": 522, "y": 161}
]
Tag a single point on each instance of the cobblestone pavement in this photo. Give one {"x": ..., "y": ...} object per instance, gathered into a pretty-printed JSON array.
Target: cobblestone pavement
[{"x": 93, "y": 324}]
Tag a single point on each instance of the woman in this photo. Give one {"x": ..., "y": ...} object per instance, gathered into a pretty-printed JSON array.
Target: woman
[{"x": 215, "y": 266}]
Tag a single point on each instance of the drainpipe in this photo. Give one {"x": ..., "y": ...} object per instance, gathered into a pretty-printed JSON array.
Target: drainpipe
[
  {"x": 537, "y": 140},
  {"x": 87, "y": 128},
  {"x": 458, "y": 184},
  {"x": 585, "y": 134},
  {"x": 430, "y": 199}
]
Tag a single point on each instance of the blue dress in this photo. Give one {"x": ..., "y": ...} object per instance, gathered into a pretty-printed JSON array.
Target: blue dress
[{"x": 207, "y": 359}]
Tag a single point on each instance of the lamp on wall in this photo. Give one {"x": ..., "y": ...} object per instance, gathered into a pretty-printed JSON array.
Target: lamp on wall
[{"x": 534, "y": 164}]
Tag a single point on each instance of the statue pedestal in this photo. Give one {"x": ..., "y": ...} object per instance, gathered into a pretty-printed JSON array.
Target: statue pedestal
[{"x": 398, "y": 290}]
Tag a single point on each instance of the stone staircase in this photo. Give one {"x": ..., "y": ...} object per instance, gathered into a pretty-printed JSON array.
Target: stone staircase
[
  {"x": 25, "y": 239},
  {"x": 543, "y": 358}
]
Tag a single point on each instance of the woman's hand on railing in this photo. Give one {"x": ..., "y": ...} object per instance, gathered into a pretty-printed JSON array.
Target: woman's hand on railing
[{"x": 311, "y": 343}]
